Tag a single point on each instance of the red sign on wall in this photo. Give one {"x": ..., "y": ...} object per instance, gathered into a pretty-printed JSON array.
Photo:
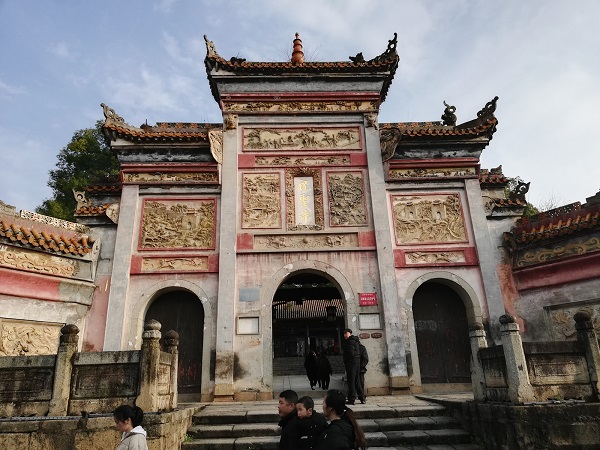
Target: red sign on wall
[{"x": 367, "y": 299}]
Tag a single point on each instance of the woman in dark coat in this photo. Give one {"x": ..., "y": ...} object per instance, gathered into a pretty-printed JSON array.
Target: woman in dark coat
[
  {"x": 324, "y": 370},
  {"x": 343, "y": 432},
  {"x": 310, "y": 364}
]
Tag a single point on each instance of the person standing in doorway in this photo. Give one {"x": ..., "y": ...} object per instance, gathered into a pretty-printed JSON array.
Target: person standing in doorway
[
  {"x": 364, "y": 360},
  {"x": 352, "y": 365},
  {"x": 324, "y": 369},
  {"x": 312, "y": 372}
]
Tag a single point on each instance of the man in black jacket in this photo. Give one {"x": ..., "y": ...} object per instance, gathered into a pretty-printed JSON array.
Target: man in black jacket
[
  {"x": 364, "y": 360},
  {"x": 352, "y": 366},
  {"x": 289, "y": 422}
]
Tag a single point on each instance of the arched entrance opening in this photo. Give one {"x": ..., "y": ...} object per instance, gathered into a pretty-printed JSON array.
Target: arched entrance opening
[
  {"x": 442, "y": 334},
  {"x": 308, "y": 315},
  {"x": 182, "y": 311}
]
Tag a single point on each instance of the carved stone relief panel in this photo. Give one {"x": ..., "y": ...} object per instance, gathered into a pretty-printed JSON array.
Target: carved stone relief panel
[
  {"x": 294, "y": 184},
  {"x": 305, "y": 241},
  {"x": 347, "y": 138},
  {"x": 215, "y": 138},
  {"x": 261, "y": 200},
  {"x": 174, "y": 264},
  {"x": 428, "y": 219},
  {"x": 437, "y": 172},
  {"x": 291, "y": 107},
  {"x": 415, "y": 258},
  {"x": 54, "y": 221},
  {"x": 578, "y": 246},
  {"x": 181, "y": 223},
  {"x": 302, "y": 160},
  {"x": 17, "y": 258},
  {"x": 172, "y": 177},
  {"x": 18, "y": 338},
  {"x": 346, "y": 199},
  {"x": 561, "y": 322}
]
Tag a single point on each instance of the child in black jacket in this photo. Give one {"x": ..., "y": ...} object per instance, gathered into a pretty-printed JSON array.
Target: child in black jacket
[{"x": 310, "y": 423}]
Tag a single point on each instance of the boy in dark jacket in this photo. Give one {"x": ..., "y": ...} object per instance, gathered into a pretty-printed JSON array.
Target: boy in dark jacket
[
  {"x": 311, "y": 423},
  {"x": 289, "y": 423}
]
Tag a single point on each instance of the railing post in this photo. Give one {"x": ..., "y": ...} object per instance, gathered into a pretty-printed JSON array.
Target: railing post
[
  {"x": 478, "y": 341},
  {"x": 63, "y": 369},
  {"x": 587, "y": 337},
  {"x": 519, "y": 387},
  {"x": 149, "y": 366},
  {"x": 171, "y": 339}
]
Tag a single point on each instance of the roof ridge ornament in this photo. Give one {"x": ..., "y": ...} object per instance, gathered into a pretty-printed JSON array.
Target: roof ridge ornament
[
  {"x": 298, "y": 52},
  {"x": 389, "y": 52},
  {"x": 489, "y": 108},
  {"x": 211, "y": 51},
  {"x": 110, "y": 114},
  {"x": 449, "y": 118}
]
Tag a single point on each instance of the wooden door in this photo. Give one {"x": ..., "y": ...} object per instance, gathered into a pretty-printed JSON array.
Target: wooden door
[
  {"x": 442, "y": 335},
  {"x": 182, "y": 311}
]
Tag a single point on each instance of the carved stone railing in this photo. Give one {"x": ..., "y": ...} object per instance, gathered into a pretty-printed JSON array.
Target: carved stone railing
[
  {"x": 520, "y": 372},
  {"x": 70, "y": 383}
]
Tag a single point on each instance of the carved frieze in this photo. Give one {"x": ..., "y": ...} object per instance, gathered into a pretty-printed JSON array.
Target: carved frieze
[
  {"x": 171, "y": 264},
  {"x": 428, "y": 219},
  {"x": 574, "y": 247},
  {"x": 215, "y": 138},
  {"x": 415, "y": 258},
  {"x": 346, "y": 199},
  {"x": 347, "y": 138},
  {"x": 561, "y": 320},
  {"x": 45, "y": 263},
  {"x": 18, "y": 338},
  {"x": 305, "y": 241},
  {"x": 261, "y": 201},
  {"x": 437, "y": 172},
  {"x": 294, "y": 221},
  {"x": 54, "y": 221},
  {"x": 182, "y": 223},
  {"x": 274, "y": 161},
  {"x": 292, "y": 107},
  {"x": 171, "y": 177}
]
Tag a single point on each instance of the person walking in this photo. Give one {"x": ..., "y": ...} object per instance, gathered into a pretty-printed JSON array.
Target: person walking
[
  {"x": 351, "y": 359},
  {"x": 290, "y": 427},
  {"x": 312, "y": 372},
  {"x": 364, "y": 360},
  {"x": 128, "y": 420},
  {"x": 324, "y": 370},
  {"x": 343, "y": 432}
]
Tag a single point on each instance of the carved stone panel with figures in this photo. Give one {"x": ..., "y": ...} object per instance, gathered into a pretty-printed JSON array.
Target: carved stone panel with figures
[
  {"x": 26, "y": 338},
  {"x": 261, "y": 139},
  {"x": 261, "y": 200},
  {"x": 346, "y": 199},
  {"x": 423, "y": 219},
  {"x": 178, "y": 224}
]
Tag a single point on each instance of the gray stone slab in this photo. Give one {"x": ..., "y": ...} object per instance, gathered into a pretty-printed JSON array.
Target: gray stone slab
[
  {"x": 256, "y": 429},
  {"x": 266, "y": 415},
  {"x": 210, "y": 431},
  {"x": 376, "y": 439},
  {"x": 209, "y": 444},
  {"x": 214, "y": 416},
  {"x": 373, "y": 412},
  {"x": 368, "y": 425},
  {"x": 395, "y": 424},
  {"x": 407, "y": 437},
  {"x": 445, "y": 422},
  {"x": 419, "y": 411},
  {"x": 452, "y": 436},
  {"x": 263, "y": 442},
  {"x": 423, "y": 422}
]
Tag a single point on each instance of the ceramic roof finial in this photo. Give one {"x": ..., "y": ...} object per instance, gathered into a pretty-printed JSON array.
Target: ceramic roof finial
[{"x": 298, "y": 53}]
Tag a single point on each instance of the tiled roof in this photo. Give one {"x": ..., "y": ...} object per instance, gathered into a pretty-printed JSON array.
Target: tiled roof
[
  {"x": 116, "y": 128},
  {"x": 485, "y": 127},
  {"x": 386, "y": 62},
  {"x": 493, "y": 177},
  {"x": 509, "y": 203},
  {"x": 78, "y": 246},
  {"x": 309, "y": 309},
  {"x": 553, "y": 224},
  {"x": 111, "y": 188},
  {"x": 96, "y": 210}
]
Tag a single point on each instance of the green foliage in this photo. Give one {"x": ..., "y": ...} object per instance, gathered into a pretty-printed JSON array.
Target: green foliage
[
  {"x": 188, "y": 438},
  {"x": 86, "y": 159}
]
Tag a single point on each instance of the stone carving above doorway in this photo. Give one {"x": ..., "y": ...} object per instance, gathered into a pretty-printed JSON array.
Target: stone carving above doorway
[
  {"x": 438, "y": 172},
  {"x": 347, "y": 138},
  {"x": 168, "y": 264},
  {"x": 305, "y": 241},
  {"x": 292, "y": 107},
  {"x": 346, "y": 199},
  {"x": 302, "y": 160},
  {"x": 181, "y": 223},
  {"x": 414, "y": 258},
  {"x": 428, "y": 219},
  {"x": 24, "y": 338},
  {"x": 261, "y": 200}
]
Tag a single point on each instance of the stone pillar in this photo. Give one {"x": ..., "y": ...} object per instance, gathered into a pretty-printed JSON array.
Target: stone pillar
[
  {"x": 227, "y": 295},
  {"x": 390, "y": 304},
  {"x": 519, "y": 387},
  {"x": 171, "y": 340},
  {"x": 149, "y": 362},
  {"x": 588, "y": 339},
  {"x": 63, "y": 369},
  {"x": 487, "y": 252},
  {"x": 478, "y": 341},
  {"x": 119, "y": 280}
]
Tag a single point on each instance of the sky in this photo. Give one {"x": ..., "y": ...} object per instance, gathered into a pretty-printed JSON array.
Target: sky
[{"x": 144, "y": 59}]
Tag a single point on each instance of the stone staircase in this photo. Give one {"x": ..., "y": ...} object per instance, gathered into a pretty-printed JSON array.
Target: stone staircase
[
  {"x": 389, "y": 423},
  {"x": 294, "y": 365}
]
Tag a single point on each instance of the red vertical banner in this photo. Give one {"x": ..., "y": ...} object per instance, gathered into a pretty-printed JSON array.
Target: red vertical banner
[{"x": 367, "y": 299}]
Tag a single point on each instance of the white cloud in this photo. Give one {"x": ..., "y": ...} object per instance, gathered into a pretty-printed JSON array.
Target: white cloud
[
  {"x": 8, "y": 89},
  {"x": 60, "y": 49}
]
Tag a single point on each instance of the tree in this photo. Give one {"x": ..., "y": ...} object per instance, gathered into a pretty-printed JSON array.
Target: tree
[{"x": 87, "y": 159}]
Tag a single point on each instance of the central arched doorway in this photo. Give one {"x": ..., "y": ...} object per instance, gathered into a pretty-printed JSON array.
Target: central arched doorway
[
  {"x": 182, "y": 311},
  {"x": 308, "y": 315},
  {"x": 442, "y": 334}
]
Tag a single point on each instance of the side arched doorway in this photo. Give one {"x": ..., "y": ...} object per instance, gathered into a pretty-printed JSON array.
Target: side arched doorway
[
  {"x": 442, "y": 334},
  {"x": 308, "y": 315},
  {"x": 182, "y": 311}
]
